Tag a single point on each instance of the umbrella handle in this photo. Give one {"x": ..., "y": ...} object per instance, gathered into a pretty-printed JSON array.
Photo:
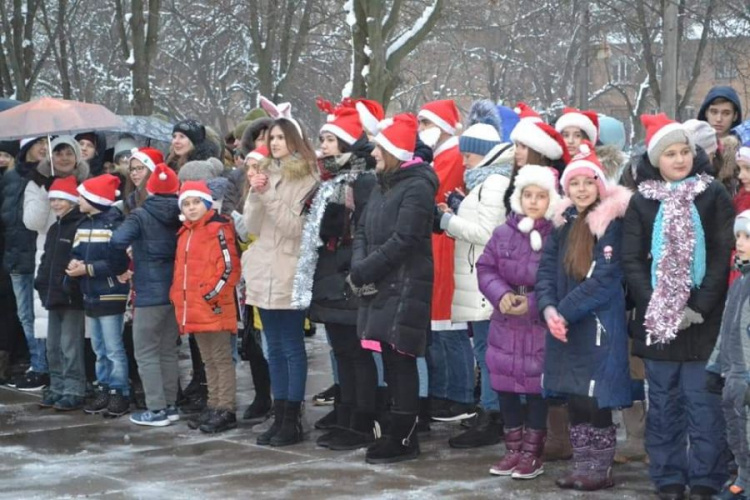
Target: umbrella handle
[{"x": 49, "y": 152}]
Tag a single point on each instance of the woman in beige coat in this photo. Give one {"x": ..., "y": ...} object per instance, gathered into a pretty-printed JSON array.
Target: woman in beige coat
[{"x": 274, "y": 213}]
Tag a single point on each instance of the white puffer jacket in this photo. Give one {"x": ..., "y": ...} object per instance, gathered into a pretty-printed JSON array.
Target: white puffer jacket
[{"x": 478, "y": 215}]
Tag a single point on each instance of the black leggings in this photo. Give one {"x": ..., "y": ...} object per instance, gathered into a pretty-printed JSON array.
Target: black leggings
[
  {"x": 358, "y": 376},
  {"x": 513, "y": 414},
  {"x": 585, "y": 410},
  {"x": 402, "y": 379}
]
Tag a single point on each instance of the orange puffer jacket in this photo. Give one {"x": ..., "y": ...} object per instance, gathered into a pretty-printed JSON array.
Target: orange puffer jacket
[{"x": 206, "y": 270}]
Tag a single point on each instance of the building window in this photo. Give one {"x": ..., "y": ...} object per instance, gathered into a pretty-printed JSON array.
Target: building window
[
  {"x": 620, "y": 70},
  {"x": 725, "y": 70}
]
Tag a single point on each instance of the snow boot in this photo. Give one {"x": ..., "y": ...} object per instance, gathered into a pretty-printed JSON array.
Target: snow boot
[
  {"x": 580, "y": 438},
  {"x": 361, "y": 433},
  {"x": 343, "y": 415},
  {"x": 531, "y": 465},
  {"x": 290, "y": 431},
  {"x": 513, "y": 444},
  {"x": 601, "y": 458},
  {"x": 487, "y": 429},
  {"x": 278, "y": 417},
  {"x": 402, "y": 444},
  {"x": 633, "y": 449},
  {"x": 558, "y": 445},
  {"x": 423, "y": 420}
]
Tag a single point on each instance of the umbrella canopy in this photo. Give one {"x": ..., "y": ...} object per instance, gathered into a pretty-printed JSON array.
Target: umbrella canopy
[
  {"x": 148, "y": 127},
  {"x": 8, "y": 103},
  {"x": 48, "y": 116}
]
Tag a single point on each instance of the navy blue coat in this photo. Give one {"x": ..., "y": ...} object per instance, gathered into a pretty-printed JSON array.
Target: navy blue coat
[
  {"x": 56, "y": 289},
  {"x": 594, "y": 361},
  {"x": 103, "y": 294},
  {"x": 152, "y": 232}
]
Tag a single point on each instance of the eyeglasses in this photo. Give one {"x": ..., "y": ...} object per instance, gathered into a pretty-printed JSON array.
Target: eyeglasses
[{"x": 139, "y": 168}]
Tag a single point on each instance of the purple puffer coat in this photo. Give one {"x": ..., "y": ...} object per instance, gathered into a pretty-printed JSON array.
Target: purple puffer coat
[{"x": 515, "y": 347}]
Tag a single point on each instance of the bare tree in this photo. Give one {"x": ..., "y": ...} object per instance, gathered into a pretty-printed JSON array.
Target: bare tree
[{"x": 20, "y": 63}]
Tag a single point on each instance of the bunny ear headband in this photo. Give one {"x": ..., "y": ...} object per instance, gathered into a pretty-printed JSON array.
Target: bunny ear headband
[{"x": 283, "y": 110}]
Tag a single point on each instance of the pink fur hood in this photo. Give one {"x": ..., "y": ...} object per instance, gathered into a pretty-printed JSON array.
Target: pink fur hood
[{"x": 613, "y": 206}]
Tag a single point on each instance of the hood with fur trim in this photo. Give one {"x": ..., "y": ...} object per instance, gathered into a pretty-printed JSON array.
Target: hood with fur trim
[
  {"x": 293, "y": 168},
  {"x": 612, "y": 207},
  {"x": 612, "y": 160},
  {"x": 81, "y": 171}
]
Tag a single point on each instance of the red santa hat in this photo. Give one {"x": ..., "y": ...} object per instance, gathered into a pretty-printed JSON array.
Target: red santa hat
[
  {"x": 585, "y": 163},
  {"x": 101, "y": 190},
  {"x": 588, "y": 121},
  {"x": 661, "y": 133},
  {"x": 370, "y": 114},
  {"x": 258, "y": 154},
  {"x": 163, "y": 181},
  {"x": 345, "y": 124},
  {"x": 64, "y": 189},
  {"x": 542, "y": 138},
  {"x": 150, "y": 157},
  {"x": 398, "y": 136},
  {"x": 195, "y": 189},
  {"x": 443, "y": 113},
  {"x": 525, "y": 112}
]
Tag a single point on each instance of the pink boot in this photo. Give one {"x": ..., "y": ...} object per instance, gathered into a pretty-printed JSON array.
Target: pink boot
[{"x": 513, "y": 443}]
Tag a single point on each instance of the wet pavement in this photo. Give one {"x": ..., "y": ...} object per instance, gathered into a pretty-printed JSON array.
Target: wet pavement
[{"x": 45, "y": 454}]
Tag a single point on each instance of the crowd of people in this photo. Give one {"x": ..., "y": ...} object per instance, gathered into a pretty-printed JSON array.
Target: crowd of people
[{"x": 524, "y": 278}]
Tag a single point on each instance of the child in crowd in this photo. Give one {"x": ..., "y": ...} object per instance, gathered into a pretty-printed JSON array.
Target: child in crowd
[
  {"x": 104, "y": 295},
  {"x": 742, "y": 198},
  {"x": 63, "y": 300},
  {"x": 515, "y": 352},
  {"x": 206, "y": 269},
  {"x": 577, "y": 126},
  {"x": 579, "y": 291}
]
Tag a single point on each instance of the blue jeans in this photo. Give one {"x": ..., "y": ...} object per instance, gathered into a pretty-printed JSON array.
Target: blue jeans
[
  {"x": 287, "y": 359},
  {"x": 681, "y": 410},
  {"x": 488, "y": 399},
  {"x": 378, "y": 358},
  {"x": 23, "y": 289},
  {"x": 65, "y": 352},
  {"x": 424, "y": 377},
  {"x": 451, "y": 362},
  {"x": 111, "y": 359}
]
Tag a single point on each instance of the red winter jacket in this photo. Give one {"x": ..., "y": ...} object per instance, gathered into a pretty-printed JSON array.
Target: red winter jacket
[
  {"x": 206, "y": 270},
  {"x": 449, "y": 167}
]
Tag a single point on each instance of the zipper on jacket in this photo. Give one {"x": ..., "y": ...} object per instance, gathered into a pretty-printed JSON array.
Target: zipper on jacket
[
  {"x": 599, "y": 331},
  {"x": 184, "y": 281}
]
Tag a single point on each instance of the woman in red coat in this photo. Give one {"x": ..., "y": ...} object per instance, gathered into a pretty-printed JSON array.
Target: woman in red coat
[{"x": 207, "y": 269}]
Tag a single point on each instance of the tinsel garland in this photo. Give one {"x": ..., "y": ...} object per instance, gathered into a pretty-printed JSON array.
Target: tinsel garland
[
  {"x": 669, "y": 299},
  {"x": 308, "y": 257}
]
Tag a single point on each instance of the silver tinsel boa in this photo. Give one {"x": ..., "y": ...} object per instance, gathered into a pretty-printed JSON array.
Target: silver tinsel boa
[
  {"x": 669, "y": 299},
  {"x": 308, "y": 257}
]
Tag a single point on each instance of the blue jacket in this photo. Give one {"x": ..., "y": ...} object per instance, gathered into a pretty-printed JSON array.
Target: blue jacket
[
  {"x": 727, "y": 93},
  {"x": 103, "y": 294},
  {"x": 152, "y": 232},
  {"x": 594, "y": 361}
]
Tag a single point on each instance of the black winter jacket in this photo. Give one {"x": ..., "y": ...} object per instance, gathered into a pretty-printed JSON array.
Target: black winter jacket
[
  {"x": 717, "y": 216},
  {"x": 56, "y": 289},
  {"x": 152, "y": 232},
  {"x": 393, "y": 251},
  {"x": 332, "y": 300},
  {"x": 20, "y": 243}
]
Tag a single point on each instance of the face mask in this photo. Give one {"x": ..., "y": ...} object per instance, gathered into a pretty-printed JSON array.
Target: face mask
[{"x": 430, "y": 136}]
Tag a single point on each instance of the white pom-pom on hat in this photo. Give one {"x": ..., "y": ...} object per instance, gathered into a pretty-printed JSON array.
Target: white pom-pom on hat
[
  {"x": 536, "y": 240},
  {"x": 162, "y": 176},
  {"x": 526, "y": 224},
  {"x": 117, "y": 192}
]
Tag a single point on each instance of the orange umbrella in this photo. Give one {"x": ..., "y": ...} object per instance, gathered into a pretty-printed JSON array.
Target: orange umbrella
[{"x": 49, "y": 116}]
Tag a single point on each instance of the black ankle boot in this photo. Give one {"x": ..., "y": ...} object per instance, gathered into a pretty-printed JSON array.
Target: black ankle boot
[
  {"x": 291, "y": 427},
  {"x": 423, "y": 420},
  {"x": 401, "y": 445},
  {"x": 258, "y": 410},
  {"x": 278, "y": 417},
  {"x": 343, "y": 415}
]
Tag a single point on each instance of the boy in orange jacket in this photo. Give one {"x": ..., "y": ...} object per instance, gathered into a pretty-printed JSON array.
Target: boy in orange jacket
[{"x": 207, "y": 268}]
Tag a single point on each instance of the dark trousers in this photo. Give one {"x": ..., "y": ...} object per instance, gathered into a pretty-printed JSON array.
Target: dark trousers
[
  {"x": 681, "y": 412},
  {"x": 585, "y": 410},
  {"x": 358, "y": 377},
  {"x": 513, "y": 414},
  {"x": 402, "y": 379}
]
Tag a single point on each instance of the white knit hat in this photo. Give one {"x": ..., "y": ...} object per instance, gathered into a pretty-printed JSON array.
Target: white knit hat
[
  {"x": 545, "y": 178},
  {"x": 742, "y": 223}
]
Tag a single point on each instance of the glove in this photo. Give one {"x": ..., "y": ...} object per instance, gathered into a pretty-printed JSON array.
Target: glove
[
  {"x": 454, "y": 200},
  {"x": 239, "y": 225},
  {"x": 714, "y": 383},
  {"x": 689, "y": 317}
]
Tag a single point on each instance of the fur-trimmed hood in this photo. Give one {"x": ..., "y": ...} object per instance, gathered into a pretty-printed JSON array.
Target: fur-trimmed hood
[
  {"x": 44, "y": 168},
  {"x": 612, "y": 160},
  {"x": 612, "y": 207},
  {"x": 293, "y": 168}
]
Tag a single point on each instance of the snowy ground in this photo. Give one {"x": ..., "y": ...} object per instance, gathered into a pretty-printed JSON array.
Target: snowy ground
[{"x": 44, "y": 454}]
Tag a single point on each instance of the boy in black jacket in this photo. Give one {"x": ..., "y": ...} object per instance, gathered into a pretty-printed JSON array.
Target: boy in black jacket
[{"x": 62, "y": 298}]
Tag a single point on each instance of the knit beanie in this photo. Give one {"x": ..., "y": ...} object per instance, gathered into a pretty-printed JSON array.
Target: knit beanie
[
  {"x": 742, "y": 223},
  {"x": 10, "y": 147},
  {"x": 743, "y": 153},
  {"x": 197, "y": 170},
  {"x": 661, "y": 133},
  {"x": 479, "y": 139},
  {"x": 67, "y": 140},
  {"x": 88, "y": 136},
  {"x": 191, "y": 129},
  {"x": 612, "y": 132},
  {"x": 703, "y": 135}
]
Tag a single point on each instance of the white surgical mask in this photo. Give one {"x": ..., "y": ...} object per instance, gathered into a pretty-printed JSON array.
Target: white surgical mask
[{"x": 430, "y": 136}]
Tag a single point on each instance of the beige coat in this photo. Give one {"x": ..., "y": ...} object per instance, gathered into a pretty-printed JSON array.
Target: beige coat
[{"x": 275, "y": 218}]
